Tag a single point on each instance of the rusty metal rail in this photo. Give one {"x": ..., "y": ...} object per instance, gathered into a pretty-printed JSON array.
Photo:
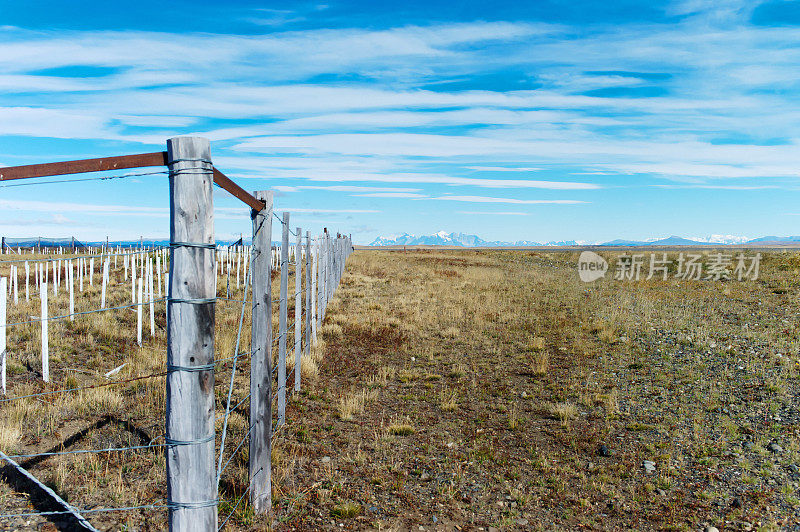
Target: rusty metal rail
[{"x": 120, "y": 162}]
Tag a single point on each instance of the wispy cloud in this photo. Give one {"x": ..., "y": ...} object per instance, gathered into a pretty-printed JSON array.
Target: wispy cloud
[
  {"x": 708, "y": 100},
  {"x": 343, "y": 188},
  {"x": 492, "y": 213},
  {"x": 484, "y": 199},
  {"x": 82, "y": 208},
  {"x": 503, "y": 169},
  {"x": 391, "y": 195}
]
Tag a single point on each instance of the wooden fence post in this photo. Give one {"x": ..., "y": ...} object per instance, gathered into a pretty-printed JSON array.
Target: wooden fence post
[
  {"x": 298, "y": 307},
  {"x": 328, "y": 265},
  {"x": 191, "y": 475},
  {"x": 308, "y": 293},
  {"x": 261, "y": 359},
  {"x": 282, "y": 318},
  {"x": 314, "y": 291}
]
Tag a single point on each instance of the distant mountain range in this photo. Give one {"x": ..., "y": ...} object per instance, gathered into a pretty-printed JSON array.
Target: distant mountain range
[{"x": 442, "y": 238}]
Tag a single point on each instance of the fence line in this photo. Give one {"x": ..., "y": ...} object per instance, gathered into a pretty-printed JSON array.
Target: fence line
[{"x": 157, "y": 276}]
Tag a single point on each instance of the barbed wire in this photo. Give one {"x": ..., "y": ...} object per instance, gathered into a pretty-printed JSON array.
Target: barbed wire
[
  {"x": 80, "y": 388},
  {"x": 112, "y": 383},
  {"x": 93, "y": 510},
  {"x": 278, "y": 429},
  {"x": 64, "y": 316},
  {"x": 233, "y": 454},
  {"x": 233, "y": 375},
  {"x": 95, "y": 256},
  {"x": 89, "y": 451},
  {"x": 235, "y": 506},
  {"x": 102, "y": 178},
  {"x": 240, "y": 403}
]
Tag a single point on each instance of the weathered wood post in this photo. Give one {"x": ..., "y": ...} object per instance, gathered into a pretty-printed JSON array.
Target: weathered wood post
[
  {"x": 328, "y": 267},
  {"x": 261, "y": 359},
  {"x": 298, "y": 307},
  {"x": 308, "y": 293},
  {"x": 282, "y": 318},
  {"x": 320, "y": 280},
  {"x": 191, "y": 476}
]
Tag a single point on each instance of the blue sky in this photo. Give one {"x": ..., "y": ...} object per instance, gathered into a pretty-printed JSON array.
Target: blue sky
[{"x": 541, "y": 121}]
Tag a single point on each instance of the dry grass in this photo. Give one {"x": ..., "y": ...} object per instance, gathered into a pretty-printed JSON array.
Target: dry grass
[
  {"x": 448, "y": 399},
  {"x": 687, "y": 375},
  {"x": 541, "y": 362},
  {"x": 353, "y": 403},
  {"x": 132, "y": 413},
  {"x": 564, "y": 412},
  {"x": 10, "y": 436},
  {"x": 537, "y": 344},
  {"x": 401, "y": 427},
  {"x": 515, "y": 374}
]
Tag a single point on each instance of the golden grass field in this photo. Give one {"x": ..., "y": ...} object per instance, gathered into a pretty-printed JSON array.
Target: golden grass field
[{"x": 464, "y": 390}]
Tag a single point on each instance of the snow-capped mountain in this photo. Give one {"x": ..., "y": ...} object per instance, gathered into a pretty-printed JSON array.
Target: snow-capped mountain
[
  {"x": 443, "y": 238},
  {"x": 721, "y": 239}
]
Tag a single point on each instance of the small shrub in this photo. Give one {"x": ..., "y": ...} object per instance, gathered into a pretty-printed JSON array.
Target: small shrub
[
  {"x": 332, "y": 330},
  {"x": 564, "y": 412},
  {"x": 513, "y": 417},
  {"x": 541, "y": 362},
  {"x": 346, "y": 509},
  {"x": 448, "y": 400},
  {"x": 401, "y": 427}
]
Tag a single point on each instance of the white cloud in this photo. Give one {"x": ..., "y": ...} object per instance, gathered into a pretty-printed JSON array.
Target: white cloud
[
  {"x": 244, "y": 211},
  {"x": 484, "y": 199},
  {"x": 502, "y": 169},
  {"x": 344, "y": 188},
  {"x": 58, "y": 207},
  {"x": 720, "y": 78},
  {"x": 37, "y": 122},
  {"x": 391, "y": 195},
  {"x": 494, "y": 213}
]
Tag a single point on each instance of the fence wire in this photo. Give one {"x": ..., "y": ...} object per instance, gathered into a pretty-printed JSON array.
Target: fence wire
[{"x": 224, "y": 459}]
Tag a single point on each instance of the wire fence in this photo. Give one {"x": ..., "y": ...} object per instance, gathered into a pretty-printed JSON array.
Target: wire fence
[{"x": 62, "y": 299}]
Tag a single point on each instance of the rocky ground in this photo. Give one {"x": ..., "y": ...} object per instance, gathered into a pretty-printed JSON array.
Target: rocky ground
[
  {"x": 533, "y": 401},
  {"x": 468, "y": 390}
]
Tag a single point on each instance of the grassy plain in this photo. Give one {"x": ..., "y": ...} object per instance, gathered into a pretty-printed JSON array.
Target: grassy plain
[
  {"x": 462, "y": 389},
  {"x": 476, "y": 389}
]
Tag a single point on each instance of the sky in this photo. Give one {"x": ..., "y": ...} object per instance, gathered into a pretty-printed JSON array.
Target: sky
[{"x": 546, "y": 120}]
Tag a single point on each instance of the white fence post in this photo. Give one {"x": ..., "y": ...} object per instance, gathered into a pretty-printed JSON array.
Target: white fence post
[
  {"x": 45, "y": 343},
  {"x": 139, "y": 314},
  {"x": 71, "y": 282},
  {"x": 150, "y": 296},
  {"x": 3, "y": 334}
]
